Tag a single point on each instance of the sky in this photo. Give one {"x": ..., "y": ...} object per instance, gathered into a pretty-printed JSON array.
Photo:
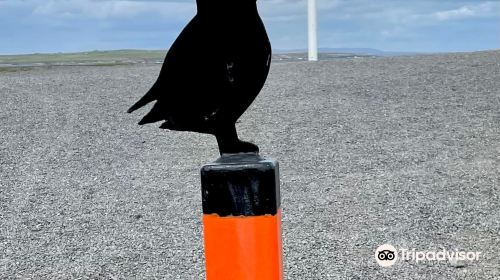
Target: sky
[{"x": 41, "y": 26}]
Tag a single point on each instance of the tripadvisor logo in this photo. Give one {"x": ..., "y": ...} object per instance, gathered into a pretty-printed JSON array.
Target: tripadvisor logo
[{"x": 386, "y": 255}]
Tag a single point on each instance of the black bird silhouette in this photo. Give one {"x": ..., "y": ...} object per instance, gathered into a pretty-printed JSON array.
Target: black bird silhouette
[{"x": 212, "y": 73}]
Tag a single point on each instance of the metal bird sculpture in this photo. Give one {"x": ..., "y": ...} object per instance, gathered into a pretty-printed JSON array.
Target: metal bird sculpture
[{"x": 212, "y": 73}]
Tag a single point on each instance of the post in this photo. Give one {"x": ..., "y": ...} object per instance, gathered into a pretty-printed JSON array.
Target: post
[
  {"x": 312, "y": 30},
  {"x": 242, "y": 218}
]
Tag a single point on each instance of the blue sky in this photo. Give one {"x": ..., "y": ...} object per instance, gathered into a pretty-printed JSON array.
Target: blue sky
[{"x": 28, "y": 26}]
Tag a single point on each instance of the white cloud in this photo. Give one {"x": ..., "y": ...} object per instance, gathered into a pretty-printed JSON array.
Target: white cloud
[
  {"x": 468, "y": 11},
  {"x": 112, "y": 8}
]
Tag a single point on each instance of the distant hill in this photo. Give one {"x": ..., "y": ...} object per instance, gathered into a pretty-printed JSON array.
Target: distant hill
[
  {"x": 358, "y": 51},
  {"x": 121, "y": 57},
  {"x": 99, "y": 58}
]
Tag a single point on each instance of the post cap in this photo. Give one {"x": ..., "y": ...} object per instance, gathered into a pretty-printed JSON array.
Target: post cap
[{"x": 241, "y": 185}]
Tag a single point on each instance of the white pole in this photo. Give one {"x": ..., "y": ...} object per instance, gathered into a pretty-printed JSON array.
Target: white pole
[{"x": 312, "y": 32}]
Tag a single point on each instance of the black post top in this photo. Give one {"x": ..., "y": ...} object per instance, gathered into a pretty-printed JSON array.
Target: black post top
[{"x": 241, "y": 185}]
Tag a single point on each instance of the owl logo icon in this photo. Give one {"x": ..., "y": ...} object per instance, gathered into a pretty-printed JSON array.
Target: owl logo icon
[{"x": 386, "y": 255}]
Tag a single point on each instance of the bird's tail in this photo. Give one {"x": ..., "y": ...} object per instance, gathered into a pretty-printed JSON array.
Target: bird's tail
[{"x": 148, "y": 97}]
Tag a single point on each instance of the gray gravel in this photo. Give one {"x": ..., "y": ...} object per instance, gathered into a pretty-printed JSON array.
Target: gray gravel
[{"x": 401, "y": 150}]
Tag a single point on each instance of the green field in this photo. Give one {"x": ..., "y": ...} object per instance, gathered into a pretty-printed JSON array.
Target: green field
[
  {"x": 104, "y": 58},
  {"x": 13, "y": 63}
]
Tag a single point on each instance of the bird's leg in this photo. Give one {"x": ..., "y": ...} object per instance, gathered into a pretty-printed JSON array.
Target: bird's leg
[{"x": 228, "y": 141}]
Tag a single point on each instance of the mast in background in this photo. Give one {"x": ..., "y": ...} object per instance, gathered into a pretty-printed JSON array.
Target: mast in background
[{"x": 312, "y": 30}]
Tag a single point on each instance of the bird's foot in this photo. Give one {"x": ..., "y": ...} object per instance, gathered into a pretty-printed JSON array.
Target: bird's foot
[{"x": 239, "y": 147}]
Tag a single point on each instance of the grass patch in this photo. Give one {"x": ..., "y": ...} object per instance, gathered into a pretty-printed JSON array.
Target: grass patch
[
  {"x": 99, "y": 58},
  {"x": 13, "y": 69}
]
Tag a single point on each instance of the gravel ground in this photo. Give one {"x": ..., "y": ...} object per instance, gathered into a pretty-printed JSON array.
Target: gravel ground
[{"x": 401, "y": 150}]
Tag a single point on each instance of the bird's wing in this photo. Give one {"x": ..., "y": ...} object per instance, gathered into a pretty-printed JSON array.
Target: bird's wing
[{"x": 179, "y": 59}]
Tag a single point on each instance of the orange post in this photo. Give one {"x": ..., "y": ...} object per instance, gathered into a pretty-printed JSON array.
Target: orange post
[{"x": 242, "y": 219}]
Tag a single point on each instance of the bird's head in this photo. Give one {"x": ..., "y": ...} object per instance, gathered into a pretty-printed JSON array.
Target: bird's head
[{"x": 225, "y": 7}]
